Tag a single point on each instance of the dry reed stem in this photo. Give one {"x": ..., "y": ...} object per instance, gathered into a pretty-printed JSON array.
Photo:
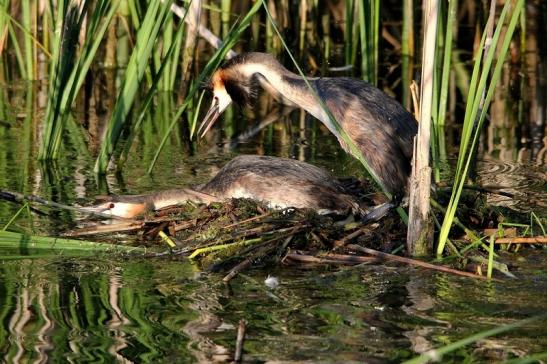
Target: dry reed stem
[
  {"x": 247, "y": 262},
  {"x": 329, "y": 258},
  {"x": 254, "y": 218},
  {"x": 523, "y": 240},
  {"x": 420, "y": 226},
  {"x": 203, "y": 32},
  {"x": 239, "y": 341},
  {"x": 103, "y": 229},
  {"x": 347, "y": 238},
  {"x": 415, "y": 262}
]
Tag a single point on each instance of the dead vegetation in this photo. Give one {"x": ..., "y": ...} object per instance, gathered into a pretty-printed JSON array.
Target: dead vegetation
[{"x": 233, "y": 236}]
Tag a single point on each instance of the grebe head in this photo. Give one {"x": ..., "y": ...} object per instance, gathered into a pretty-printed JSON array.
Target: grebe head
[
  {"x": 221, "y": 100},
  {"x": 236, "y": 81},
  {"x": 119, "y": 209},
  {"x": 130, "y": 206}
]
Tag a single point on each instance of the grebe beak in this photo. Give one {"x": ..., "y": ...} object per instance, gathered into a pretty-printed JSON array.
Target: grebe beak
[
  {"x": 210, "y": 118},
  {"x": 220, "y": 102},
  {"x": 104, "y": 208}
]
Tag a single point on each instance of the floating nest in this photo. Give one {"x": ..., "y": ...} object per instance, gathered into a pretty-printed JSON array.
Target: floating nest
[
  {"x": 234, "y": 235},
  {"x": 244, "y": 232}
]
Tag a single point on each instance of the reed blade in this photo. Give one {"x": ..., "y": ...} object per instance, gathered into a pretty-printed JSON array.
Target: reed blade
[
  {"x": 472, "y": 116},
  {"x": 69, "y": 66},
  {"x": 14, "y": 240},
  {"x": 147, "y": 35}
]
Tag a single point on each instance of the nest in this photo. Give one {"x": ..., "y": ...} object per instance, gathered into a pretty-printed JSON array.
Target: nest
[{"x": 239, "y": 233}]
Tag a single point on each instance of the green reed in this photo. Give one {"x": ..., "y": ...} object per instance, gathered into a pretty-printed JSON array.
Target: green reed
[
  {"x": 144, "y": 108},
  {"x": 369, "y": 33},
  {"x": 325, "y": 24},
  {"x": 38, "y": 244},
  {"x": 348, "y": 31},
  {"x": 302, "y": 19},
  {"x": 172, "y": 60},
  {"x": 407, "y": 51},
  {"x": 27, "y": 39},
  {"x": 350, "y": 50},
  {"x": 446, "y": 58},
  {"x": 171, "y": 38},
  {"x": 269, "y": 34},
  {"x": 61, "y": 65},
  {"x": 225, "y": 7},
  {"x": 167, "y": 39},
  {"x": 477, "y": 107},
  {"x": 154, "y": 19},
  {"x": 440, "y": 91},
  {"x": 69, "y": 65}
]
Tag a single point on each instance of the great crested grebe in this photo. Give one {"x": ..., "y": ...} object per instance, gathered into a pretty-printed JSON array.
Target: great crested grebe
[
  {"x": 379, "y": 126},
  {"x": 279, "y": 182}
]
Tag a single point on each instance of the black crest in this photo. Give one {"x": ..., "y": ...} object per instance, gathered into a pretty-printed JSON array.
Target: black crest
[
  {"x": 206, "y": 85},
  {"x": 242, "y": 92}
]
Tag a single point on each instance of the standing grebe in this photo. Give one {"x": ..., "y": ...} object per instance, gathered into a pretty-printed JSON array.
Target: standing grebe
[
  {"x": 378, "y": 125},
  {"x": 279, "y": 182}
]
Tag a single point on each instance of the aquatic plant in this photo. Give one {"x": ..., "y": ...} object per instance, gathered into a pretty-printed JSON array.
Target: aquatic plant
[
  {"x": 154, "y": 19},
  {"x": 69, "y": 66},
  {"x": 480, "y": 95}
]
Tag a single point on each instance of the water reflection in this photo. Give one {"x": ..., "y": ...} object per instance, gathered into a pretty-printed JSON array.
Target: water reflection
[
  {"x": 134, "y": 311},
  {"x": 527, "y": 183},
  {"x": 153, "y": 311},
  {"x": 89, "y": 310}
]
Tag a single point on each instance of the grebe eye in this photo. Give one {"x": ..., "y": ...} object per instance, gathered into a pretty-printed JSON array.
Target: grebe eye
[{"x": 111, "y": 206}]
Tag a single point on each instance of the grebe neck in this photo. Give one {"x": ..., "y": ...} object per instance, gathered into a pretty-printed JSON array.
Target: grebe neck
[
  {"x": 175, "y": 197},
  {"x": 285, "y": 86}
]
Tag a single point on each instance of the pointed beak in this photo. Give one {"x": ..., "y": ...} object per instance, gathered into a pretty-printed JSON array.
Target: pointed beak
[
  {"x": 102, "y": 208},
  {"x": 210, "y": 118}
]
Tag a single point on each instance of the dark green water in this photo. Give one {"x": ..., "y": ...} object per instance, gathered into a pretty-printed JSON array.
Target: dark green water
[{"x": 106, "y": 308}]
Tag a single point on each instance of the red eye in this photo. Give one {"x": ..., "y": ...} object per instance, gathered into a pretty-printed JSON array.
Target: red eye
[{"x": 111, "y": 206}]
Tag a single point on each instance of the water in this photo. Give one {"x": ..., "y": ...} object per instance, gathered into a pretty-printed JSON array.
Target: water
[
  {"x": 166, "y": 311},
  {"x": 105, "y": 308}
]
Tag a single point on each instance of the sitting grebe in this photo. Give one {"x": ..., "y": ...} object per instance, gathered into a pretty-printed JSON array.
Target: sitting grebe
[{"x": 278, "y": 182}]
